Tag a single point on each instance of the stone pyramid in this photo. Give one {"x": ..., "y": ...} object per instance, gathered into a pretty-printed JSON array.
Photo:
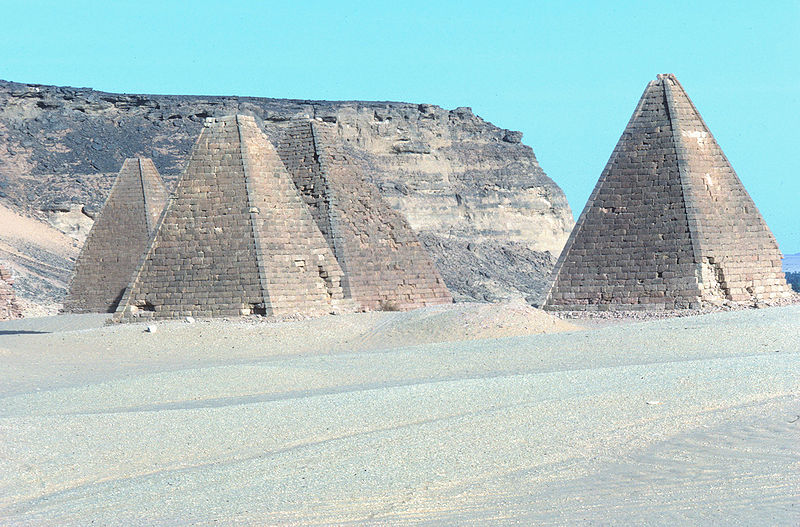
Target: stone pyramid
[
  {"x": 669, "y": 224},
  {"x": 9, "y": 308},
  {"x": 118, "y": 239},
  {"x": 235, "y": 239},
  {"x": 384, "y": 264}
]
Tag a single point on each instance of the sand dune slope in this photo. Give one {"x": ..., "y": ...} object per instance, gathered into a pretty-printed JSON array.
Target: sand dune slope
[
  {"x": 682, "y": 421},
  {"x": 41, "y": 258}
]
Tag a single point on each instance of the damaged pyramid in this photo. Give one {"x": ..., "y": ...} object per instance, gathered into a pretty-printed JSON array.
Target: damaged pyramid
[
  {"x": 669, "y": 224},
  {"x": 384, "y": 264},
  {"x": 118, "y": 239},
  {"x": 235, "y": 239}
]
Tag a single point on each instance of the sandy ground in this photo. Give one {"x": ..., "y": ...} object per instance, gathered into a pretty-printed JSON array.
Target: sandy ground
[{"x": 430, "y": 417}]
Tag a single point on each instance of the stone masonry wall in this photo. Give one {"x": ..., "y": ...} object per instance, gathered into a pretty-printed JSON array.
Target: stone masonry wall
[
  {"x": 385, "y": 266},
  {"x": 740, "y": 259},
  {"x": 118, "y": 239},
  {"x": 301, "y": 271},
  {"x": 298, "y": 152}
]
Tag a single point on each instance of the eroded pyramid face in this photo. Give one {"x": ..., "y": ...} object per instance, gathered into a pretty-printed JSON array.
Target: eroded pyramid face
[{"x": 669, "y": 224}]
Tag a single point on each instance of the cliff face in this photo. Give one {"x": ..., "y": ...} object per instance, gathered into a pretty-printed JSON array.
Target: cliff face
[{"x": 474, "y": 192}]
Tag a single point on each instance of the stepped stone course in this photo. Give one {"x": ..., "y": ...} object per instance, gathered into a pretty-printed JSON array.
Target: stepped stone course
[
  {"x": 235, "y": 239},
  {"x": 384, "y": 264},
  {"x": 118, "y": 239},
  {"x": 9, "y": 309},
  {"x": 668, "y": 225}
]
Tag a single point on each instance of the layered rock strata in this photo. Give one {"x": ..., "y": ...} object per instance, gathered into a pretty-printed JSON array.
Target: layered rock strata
[
  {"x": 459, "y": 180},
  {"x": 384, "y": 265},
  {"x": 118, "y": 239},
  {"x": 669, "y": 224},
  {"x": 235, "y": 239}
]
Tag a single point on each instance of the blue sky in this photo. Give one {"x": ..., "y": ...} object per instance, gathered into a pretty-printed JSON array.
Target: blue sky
[{"x": 568, "y": 74}]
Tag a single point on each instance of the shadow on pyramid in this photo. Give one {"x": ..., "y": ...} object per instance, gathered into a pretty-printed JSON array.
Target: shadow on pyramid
[
  {"x": 118, "y": 239},
  {"x": 384, "y": 265},
  {"x": 668, "y": 225},
  {"x": 235, "y": 239}
]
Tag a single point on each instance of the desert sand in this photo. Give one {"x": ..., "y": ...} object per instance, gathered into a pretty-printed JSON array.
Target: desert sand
[{"x": 438, "y": 416}]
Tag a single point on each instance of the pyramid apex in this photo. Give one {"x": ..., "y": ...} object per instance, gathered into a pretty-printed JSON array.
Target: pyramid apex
[
  {"x": 667, "y": 76},
  {"x": 234, "y": 118},
  {"x": 136, "y": 160}
]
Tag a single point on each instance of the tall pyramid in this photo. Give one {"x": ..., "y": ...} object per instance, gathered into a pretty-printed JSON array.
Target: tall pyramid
[
  {"x": 236, "y": 238},
  {"x": 384, "y": 264},
  {"x": 669, "y": 224},
  {"x": 118, "y": 239}
]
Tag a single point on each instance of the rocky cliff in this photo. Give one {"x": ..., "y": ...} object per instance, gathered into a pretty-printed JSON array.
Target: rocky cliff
[{"x": 475, "y": 194}]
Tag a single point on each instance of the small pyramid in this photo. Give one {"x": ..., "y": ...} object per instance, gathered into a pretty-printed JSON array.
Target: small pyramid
[
  {"x": 118, "y": 239},
  {"x": 9, "y": 308},
  {"x": 384, "y": 265},
  {"x": 235, "y": 239},
  {"x": 669, "y": 224}
]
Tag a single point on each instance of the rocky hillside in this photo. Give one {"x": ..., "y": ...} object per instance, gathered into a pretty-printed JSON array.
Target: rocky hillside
[
  {"x": 492, "y": 218},
  {"x": 40, "y": 259}
]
